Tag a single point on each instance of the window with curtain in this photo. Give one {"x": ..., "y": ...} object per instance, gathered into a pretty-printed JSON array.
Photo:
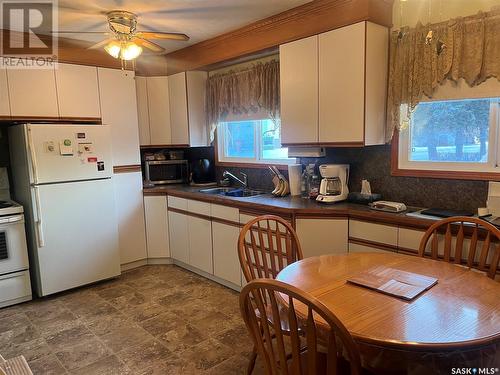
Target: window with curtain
[
  {"x": 443, "y": 96},
  {"x": 243, "y": 108}
]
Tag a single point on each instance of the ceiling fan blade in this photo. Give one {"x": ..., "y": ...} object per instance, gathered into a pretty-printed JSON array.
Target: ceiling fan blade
[
  {"x": 160, "y": 35},
  {"x": 101, "y": 44},
  {"x": 149, "y": 45}
]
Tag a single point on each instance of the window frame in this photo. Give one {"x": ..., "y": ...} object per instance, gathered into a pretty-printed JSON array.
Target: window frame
[
  {"x": 401, "y": 166},
  {"x": 222, "y": 159}
]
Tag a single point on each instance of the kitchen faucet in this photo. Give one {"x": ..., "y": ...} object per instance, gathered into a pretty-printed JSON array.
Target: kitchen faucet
[{"x": 227, "y": 174}]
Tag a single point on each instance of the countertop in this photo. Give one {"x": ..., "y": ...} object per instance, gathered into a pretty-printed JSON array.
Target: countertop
[{"x": 293, "y": 206}]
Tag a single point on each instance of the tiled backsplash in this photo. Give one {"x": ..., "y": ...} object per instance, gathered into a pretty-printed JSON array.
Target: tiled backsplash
[{"x": 374, "y": 164}]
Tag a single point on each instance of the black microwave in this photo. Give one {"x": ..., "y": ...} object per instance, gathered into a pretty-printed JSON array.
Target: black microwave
[{"x": 160, "y": 172}]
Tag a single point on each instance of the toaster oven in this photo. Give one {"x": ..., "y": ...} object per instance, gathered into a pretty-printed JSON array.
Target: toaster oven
[{"x": 160, "y": 172}]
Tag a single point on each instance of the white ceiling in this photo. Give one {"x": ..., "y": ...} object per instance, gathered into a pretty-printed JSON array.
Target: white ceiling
[{"x": 200, "y": 19}]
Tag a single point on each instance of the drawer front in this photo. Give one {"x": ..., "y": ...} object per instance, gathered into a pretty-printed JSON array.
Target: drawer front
[
  {"x": 224, "y": 212},
  {"x": 198, "y": 207},
  {"x": 322, "y": 236},
  {"x": 179, "y": 203},
  {"x": 384, "y": 234},
  {"x": 409, "y": 239},
  {"x": 14, "y": 286},
  {"x": 358, "y": 248}
]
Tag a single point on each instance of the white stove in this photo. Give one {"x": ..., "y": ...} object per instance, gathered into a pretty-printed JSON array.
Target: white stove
[
  {"x": 9, "y": 207},
  {"x": 15, "y": 285}
]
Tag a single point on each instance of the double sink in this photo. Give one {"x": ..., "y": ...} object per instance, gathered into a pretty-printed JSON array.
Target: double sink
[{"x": 232, "y": 192}]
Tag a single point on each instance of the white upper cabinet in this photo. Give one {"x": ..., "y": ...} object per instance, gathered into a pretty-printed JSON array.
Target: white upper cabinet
[
  {"x": 119, "y": 110},
  {"x": 196, "y": 85},
  {"x": 179, "y": 121},
  {"x": 334, "y": 87},
  {"x": 77, "y": 91},
  {"x": 187, "y": 108},
  {"x": 299, "y": 91},
  {"x": 141, "y": 89},
  {"x": 159, "y": 110},
  {"x": 4, "y": 94},
  {"x": 32, "y": 92},
  {"x": 341, "y": 85}
]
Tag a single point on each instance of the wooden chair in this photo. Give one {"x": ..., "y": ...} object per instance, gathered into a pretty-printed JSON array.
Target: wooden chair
[
  {"x": 486, "y": 259},
  {"x": 263, "y": 295},
  {"x": 266, "y": 245}
]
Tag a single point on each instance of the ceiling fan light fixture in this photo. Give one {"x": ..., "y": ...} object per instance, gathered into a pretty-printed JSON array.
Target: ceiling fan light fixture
[
  {"x": 130, "y": 51},
  {"x": 113, "y": 48}
]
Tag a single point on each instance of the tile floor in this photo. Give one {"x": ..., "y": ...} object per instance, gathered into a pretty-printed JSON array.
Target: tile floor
[{"x": 151, "y": 320}]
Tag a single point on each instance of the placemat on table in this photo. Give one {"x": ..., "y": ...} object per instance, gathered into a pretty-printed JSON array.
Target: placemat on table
[{"x": 397, "y": 283}]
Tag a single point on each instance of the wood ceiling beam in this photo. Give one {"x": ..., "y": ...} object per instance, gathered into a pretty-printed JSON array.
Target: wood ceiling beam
[{"x": 309, "y": 19}]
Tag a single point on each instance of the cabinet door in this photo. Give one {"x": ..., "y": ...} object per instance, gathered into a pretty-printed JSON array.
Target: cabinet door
[
  {"x": 130, "y": 213},
  {"x": 119, "y": 110},
  {"x": 197, "y": 115},
  {"x": 4, "y": 94},
  {"x": 225, "y": 249},
  {"x": 179, "y": 121},
  {"x": 179, "y": 240},
  {"x": 141, "y": 88},
  {"x": 200, "y": 243},
  {"x": 77, "y": 91},
  {"x": 322, "y": 236},
  {"x": 342, "y": 84},
  {"x": 155, "y": 210},
  {"x": 299, "y": 91},
  {"x": 33, "y": 92},
  {"x": 159, "y": 110}
]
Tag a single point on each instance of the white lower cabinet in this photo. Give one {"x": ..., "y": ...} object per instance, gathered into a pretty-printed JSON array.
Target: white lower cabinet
[
  {"x": 372, "y": 237},
  {"x": 157, "y": 236},
  {"x": 130, "y": 213},
  {"x": 322, "y": 236},
  {"x": 200, "y": 243},
  {"x": 179, "y": 239},
  {"x": 409, "y": 239},
  {"x": 225, "y": 244}
]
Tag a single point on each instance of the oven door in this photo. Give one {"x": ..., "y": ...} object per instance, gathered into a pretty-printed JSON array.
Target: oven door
[
  {"x": 167, "y": 172},
  {"x": 13, "y": 250}
]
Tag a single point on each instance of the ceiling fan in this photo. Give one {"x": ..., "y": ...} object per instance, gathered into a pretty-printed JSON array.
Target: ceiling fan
[{"x": 125, "y": 41}]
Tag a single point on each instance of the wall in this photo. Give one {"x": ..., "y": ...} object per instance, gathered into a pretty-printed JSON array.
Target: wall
[{"x": 414, "y": 11}]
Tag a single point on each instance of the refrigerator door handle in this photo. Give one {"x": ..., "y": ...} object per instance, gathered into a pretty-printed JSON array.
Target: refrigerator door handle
[
  {"x": 39, "y": 223},
  {"x": 31, "y": 146}
]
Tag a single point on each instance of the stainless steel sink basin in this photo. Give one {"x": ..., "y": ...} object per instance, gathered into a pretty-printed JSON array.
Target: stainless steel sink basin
[{"x": 232, "y": 192}]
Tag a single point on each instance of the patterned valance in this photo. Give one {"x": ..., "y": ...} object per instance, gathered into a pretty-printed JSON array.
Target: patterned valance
[
  {"x": 467, "y": 48},
  {"x": 251, "y": 90}
]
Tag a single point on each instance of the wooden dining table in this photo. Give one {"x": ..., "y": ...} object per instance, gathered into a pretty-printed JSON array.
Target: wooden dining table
[{"x": 455, "y": 323}]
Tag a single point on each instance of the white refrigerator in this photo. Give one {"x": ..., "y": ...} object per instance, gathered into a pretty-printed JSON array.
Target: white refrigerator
[{"x": 62, "y": 174}]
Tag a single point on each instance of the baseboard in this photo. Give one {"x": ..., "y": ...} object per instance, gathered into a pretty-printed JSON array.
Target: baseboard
[
  {"x": 153, "y": 261},
  {"x": 209, "y": 276},
  {"x": 132, "y": 265}
]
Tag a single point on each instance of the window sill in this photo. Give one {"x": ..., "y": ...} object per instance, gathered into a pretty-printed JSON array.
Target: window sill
[{"x": 450, "y": 175}]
